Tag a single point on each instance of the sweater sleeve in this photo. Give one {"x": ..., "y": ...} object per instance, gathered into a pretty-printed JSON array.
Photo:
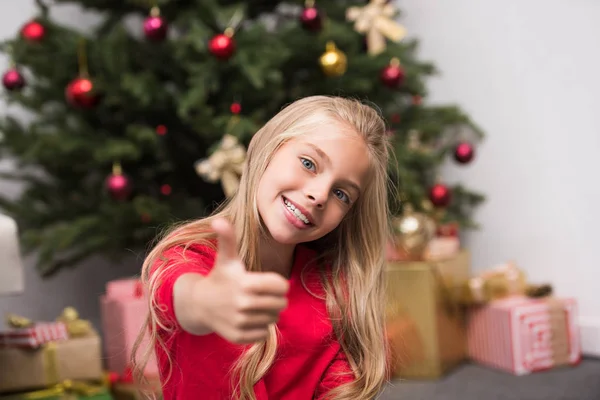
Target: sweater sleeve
[
  {"x": 337, "y": 373},
  {"x": 175, "y": 264}
]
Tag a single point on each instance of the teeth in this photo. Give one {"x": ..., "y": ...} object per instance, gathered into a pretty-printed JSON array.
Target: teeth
[{"x": 296, "y": 212}]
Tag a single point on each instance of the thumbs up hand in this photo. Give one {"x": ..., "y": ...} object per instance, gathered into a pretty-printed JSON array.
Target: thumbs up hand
[{"x": 241, "y": 305}]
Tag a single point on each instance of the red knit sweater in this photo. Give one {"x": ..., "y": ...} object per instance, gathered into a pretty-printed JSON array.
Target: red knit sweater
[{"x": 309, "y": 359}]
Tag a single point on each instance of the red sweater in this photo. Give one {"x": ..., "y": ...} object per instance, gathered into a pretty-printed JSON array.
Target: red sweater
[{"x": 309, "y": 359}]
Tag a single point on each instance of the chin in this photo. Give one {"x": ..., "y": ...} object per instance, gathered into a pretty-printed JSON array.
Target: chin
[{"x": 286, "y": 238}]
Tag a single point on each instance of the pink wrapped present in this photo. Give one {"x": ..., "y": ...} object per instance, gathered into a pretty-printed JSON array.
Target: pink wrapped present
[
  {"x": 124, "y": 309},
  {"x": 34, "y": 336},
  {"x": 522, "y": 335}
]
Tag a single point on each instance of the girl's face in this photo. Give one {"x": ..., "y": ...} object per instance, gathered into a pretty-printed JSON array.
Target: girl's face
[{"x": 311, "y": 183}]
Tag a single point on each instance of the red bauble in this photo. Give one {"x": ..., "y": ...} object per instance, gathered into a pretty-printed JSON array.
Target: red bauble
[
  {"x": 222, "y": 46},
  {"x": 155, "y": 28},
  {"x": 33, "y": 31},
  {"x": 13, "y": 80},
  {"x": 392, "y": 75},
  {"x": 235, "y": 108},
  {"x": 119, "y": 186},
  {"x": 440, "y": 195},
  {"x": 80, "y": 92},
  {"x": 464, "y": 152},
  {"x": 311, "y": 19}
]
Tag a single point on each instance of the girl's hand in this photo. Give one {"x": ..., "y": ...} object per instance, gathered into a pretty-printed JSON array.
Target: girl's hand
[{"x": 240, "y": 305}]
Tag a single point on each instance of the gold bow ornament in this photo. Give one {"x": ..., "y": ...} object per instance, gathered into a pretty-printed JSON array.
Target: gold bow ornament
[
  {"x": 498, "y": 282},
  {"x": 375, "y": 19},
  {"x": 225, "y": 164}
]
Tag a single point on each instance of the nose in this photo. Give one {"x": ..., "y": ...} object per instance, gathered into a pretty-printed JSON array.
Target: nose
[{"x": 317, "y": 195}]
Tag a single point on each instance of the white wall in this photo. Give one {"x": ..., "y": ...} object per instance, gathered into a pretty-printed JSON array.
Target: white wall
[{"x": 529, "y": 73}]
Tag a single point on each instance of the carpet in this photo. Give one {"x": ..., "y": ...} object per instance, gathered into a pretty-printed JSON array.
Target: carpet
[{"x": 474, "y": 382}]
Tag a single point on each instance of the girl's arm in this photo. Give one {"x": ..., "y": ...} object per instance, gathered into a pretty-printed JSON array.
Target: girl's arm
[{"x": 338, "y": 373}]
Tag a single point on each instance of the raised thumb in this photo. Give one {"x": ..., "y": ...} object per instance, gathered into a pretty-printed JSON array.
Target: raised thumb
[{"x": 226, "y": 242}]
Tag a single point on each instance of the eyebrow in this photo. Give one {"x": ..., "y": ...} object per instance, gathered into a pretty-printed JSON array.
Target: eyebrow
[{"x": 324, "y": 156}]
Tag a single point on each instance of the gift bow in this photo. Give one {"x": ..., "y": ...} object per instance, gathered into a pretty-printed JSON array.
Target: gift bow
[
  {"x": 226, "y": 164},
  {"x": 65, "y": 387},
  {"x": 374, "y": 19},
  {"x": 498, "y": 282}
]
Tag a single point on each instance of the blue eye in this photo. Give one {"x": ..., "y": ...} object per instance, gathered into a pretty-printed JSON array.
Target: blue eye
[
  {"x": 307, "y": 164},
  {"x": 341, "y": 195}
]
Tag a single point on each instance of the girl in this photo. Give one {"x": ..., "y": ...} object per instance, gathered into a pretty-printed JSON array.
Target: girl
[{"x": 280, "y": 293}]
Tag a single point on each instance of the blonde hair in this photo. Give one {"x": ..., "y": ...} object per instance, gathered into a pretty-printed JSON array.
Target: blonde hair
[{"x": 355, "y": 295}]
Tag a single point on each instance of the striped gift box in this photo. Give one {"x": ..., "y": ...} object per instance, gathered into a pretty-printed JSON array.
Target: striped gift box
[
  {"x": 522, "y": 335},
  {"x": 34, "y": 336}
]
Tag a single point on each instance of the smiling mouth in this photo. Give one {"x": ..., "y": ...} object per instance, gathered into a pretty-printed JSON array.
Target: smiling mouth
[{"x": 296, "y": 212}]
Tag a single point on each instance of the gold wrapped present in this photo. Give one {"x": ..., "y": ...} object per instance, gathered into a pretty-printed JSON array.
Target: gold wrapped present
[
  {"x": 426, "y": 328},
  {"x": 79, "y": 358}
]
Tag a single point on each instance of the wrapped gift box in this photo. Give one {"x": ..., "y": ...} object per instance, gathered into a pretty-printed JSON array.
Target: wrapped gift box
[
  {"x": 522, "y": 335},
  {"x": 77, "y": 358},
  {"x": 34, "y": 336},
  {"x": 124, "y": 309},
  {"x": 425, "y": 324}
]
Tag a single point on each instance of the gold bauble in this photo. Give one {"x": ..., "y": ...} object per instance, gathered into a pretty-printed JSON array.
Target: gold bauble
[
  {"x": 413, "y": 232},
  {"x": 333, "y": 61}
]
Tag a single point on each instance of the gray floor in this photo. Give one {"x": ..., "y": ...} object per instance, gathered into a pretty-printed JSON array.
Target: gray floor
[{"x": 472, "y": 382}]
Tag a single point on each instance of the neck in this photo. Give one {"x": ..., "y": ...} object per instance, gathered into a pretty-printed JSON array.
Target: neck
[{"x": 276, "y": 257}]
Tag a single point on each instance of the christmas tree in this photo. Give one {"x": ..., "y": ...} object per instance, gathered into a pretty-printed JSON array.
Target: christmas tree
[{"x": 132, "y": 125}]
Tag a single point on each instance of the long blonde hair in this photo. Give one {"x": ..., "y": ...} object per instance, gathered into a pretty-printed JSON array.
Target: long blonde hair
[{"x": 355, "y": 250}]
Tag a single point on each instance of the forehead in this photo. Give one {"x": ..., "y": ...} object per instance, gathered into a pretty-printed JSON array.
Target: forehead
[{"x": 345, "y": 151}]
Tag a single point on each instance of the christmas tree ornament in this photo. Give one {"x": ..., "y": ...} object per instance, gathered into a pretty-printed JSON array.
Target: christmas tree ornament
[
  {"x": 161, "y": 130},
  {"x": 117, "y": 184},
  {"x": 415, "y": 144},
  {"x": 376, "y": 21},
  {"x": 333, "y": 62},
  {"x": 392, "y": 75},
  {"x": 310, "y": 18},
  {"x": 235, "y": 108},
  {"x": 225, "y": 164},
  {"x": 13, "y": 79},
  {"x": 464, "y": 152},
  {"x": 440, "y": 195},
  {"x": 155, "y": 26},
  {"x": 166, "y": 189},
  {"x": 413, "y": 231},
  {"x": 33, "y": 31},
  {"x": 81, "y": 92},
  {"x": 222, "y": 46}
]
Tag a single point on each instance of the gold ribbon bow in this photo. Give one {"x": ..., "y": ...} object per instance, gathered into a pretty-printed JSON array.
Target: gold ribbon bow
[
  {"x": 75, "y": 326},
  {"x": 65, "y": 389},
  {"x": 498, "y": 282},
  {"x": 226, "y": 164},
  {"x": 374, "y": 19}
]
